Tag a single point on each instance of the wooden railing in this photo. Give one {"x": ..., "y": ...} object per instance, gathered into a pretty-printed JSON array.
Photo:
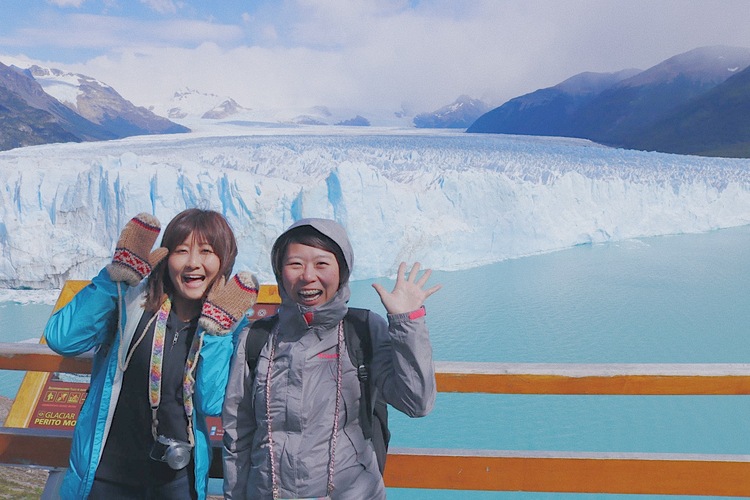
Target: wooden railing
[{"x": 531, "y": 471}]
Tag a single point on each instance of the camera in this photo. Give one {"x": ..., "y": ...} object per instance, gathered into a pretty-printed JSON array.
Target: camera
[{"x": 172, "y": 451}]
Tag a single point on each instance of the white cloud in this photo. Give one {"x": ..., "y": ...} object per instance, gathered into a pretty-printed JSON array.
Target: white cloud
[
  {"x": 67, "y": 3},
  {"x": 161, "y": 6},
  {"x": 88, "y": 31},
  {"x": 389, "y": 54}
]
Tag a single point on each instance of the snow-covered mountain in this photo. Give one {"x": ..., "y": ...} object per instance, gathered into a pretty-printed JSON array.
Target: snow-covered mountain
[
  {"x": 29, "y": 115},
  {"x": 42, "y": 105},
  {"x": 193, "y": 104},
  {"x": 450, "y": 200},
  {"x": 193, "y": 108},
  {"x": 101, "y": 104},
  {"x": 460, "y": 114}
]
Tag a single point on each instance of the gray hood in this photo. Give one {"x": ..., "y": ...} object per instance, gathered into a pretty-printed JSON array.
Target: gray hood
[
  {"x": 329, "y": 228},
  {"x": 337, "y": 233}
]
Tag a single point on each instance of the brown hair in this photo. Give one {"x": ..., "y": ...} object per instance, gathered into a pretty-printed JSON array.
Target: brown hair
[
  {"x": 208, "y": 226},
  {"x": 307, "y": 235}
]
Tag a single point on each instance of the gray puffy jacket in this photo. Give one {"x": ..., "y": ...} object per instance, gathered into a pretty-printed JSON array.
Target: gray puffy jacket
[{"x": 303, "y": 397}]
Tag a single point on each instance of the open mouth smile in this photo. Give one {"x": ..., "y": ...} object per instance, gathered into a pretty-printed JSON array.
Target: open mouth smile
[
  {"x": 309, "y": 295},
  {"x": 193, "y": 279}
]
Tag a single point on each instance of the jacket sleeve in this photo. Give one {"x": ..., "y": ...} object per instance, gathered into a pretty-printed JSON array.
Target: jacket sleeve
[
  {"x": 212, "y": 371},
  {"x": 238, "y": 421},
  {"x": 87, "y": 320},
  {"x": 402, "y": 362}
]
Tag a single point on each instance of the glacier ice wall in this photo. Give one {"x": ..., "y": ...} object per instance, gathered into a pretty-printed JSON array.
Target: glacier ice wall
[{"x": 449, "y": 200}]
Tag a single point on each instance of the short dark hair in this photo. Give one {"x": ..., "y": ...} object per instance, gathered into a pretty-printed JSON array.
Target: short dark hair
[
  {"x": 208, "y": 226},
  {"x": 307, "y": 235}
]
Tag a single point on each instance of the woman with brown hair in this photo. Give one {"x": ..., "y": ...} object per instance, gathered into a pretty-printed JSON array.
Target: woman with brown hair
[{"x": 160, "y": 324}]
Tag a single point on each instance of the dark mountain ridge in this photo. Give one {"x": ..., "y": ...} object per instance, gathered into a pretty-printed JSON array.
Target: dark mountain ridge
[
  {"x": 620, "y": 112},
  {"x": 549, "y": 111},
  {"x": 713, "y": 124},
  {"x": 617, "y": 109}
]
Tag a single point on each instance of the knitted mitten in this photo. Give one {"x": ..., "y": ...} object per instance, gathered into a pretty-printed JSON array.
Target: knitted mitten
[
  {"x": 227, "y": 302},
  {"x": 132, "y": 261}
]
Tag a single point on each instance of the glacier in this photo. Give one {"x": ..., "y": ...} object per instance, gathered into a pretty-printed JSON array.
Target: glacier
[{"x": 447, "y": 199}]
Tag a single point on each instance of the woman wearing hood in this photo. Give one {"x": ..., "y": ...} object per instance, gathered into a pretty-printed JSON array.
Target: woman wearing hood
[{"x": 305, "y": 389}]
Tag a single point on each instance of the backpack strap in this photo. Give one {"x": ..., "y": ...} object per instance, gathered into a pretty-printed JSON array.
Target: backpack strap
[
  {"x": 359, "y": 346},
  {"x": 373, "y": 415},
  {"x": 257, "y": 337}
]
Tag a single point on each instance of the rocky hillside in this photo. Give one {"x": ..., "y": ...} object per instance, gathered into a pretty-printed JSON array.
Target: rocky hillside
[{"x": 41, "y": 106}]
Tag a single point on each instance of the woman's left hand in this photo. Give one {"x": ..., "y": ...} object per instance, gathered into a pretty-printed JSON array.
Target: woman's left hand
[{"x": 408, "y": 294}]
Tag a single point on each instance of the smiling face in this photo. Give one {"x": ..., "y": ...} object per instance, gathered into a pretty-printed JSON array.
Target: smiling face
[
  {"x": 192, "y": 266},
  {"x": 310, "y": 275}
]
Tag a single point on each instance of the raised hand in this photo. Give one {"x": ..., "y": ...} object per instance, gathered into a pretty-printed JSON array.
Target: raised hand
[
  {"x": 133, "y": 259},
  {"x": 408, "y": 294},
  {"x": 227, "y": 302}
]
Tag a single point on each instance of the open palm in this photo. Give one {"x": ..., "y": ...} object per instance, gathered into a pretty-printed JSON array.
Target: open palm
[{"x": 408, "y": 294}]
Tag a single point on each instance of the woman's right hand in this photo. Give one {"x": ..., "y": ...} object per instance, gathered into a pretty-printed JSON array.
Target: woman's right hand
[{"x": 133, "y": 259}]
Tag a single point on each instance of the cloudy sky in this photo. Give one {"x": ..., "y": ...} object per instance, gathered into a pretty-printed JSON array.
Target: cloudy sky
[{"x": 364, "y": 55}]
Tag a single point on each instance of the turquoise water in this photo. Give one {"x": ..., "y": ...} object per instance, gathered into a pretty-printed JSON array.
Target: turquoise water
[
  {"x": 21, "y": 323},
  {"x": 672, "y": 299}
]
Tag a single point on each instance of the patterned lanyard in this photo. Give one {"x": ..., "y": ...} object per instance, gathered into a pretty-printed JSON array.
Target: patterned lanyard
[
  {"x": 157, "y": 360},
  {"x": 334, "y": 433}
]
